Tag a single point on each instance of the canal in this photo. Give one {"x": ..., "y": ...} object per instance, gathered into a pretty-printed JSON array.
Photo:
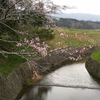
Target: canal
[{"x": 70, "y": 82}]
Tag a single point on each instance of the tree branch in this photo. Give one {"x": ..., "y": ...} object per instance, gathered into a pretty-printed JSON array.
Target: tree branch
[
  {"x": 11, "y": 8},
  {"x": 11, "y": 29}
]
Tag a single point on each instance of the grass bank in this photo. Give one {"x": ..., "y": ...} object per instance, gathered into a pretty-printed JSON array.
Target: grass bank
[
  {"x": 74, "y": 38},
  {"x": 96, "y": 56},
  {"x": 7, "y": 64}
]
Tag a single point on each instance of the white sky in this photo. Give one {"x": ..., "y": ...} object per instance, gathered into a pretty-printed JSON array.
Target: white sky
[{"x": 83, "y": 6}]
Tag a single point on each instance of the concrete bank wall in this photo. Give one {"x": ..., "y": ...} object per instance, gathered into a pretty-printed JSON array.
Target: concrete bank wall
[
  {"x": 12, "y": 85},
  {"x": 93, "y": 67}
]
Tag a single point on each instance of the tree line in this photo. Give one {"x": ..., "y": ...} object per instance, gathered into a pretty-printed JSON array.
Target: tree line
[{"x": 73, "y": 23}]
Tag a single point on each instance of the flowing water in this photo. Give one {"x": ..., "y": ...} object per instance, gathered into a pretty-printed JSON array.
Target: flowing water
[{"x": 70, "y": 82}]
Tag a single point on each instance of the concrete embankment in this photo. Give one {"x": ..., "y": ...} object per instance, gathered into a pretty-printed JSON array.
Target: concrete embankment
[
  {"x": 12, "y": 85},
  {"x": 93, "y": 67}
]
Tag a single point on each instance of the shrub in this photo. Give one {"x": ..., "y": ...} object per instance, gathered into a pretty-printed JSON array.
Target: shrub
[{"x": 43, "y": 33}]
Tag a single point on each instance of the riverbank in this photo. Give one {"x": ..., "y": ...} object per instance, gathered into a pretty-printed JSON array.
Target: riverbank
[
  {"x": 12, "y": 85},
  {"x": 93, "y": 67}
]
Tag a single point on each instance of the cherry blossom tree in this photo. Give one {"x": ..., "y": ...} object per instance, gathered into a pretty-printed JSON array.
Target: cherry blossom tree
[{"x": 17, "y": 17}]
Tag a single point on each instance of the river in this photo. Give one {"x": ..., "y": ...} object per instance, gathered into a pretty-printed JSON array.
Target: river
[{"x": 70, "y": 82}]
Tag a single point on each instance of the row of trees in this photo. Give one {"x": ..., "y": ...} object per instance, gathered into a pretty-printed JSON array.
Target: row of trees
[{"x": 73, "y": 23}]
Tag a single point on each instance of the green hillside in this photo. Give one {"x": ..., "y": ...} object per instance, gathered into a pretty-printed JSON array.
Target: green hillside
[{"x": 75, "y": 38}]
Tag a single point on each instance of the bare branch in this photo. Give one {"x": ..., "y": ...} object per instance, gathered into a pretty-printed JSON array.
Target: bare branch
[
  {"x": 18, "y": 53},
  {"x": 9, "y": 41},
  {"x": 10, "y": 8}
]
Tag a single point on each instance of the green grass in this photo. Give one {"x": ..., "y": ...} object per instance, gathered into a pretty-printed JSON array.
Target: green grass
[
  {"x": 8, "y": 64},
  {"x": 31, "y": 80},
  {"x": 91, "y": 38},
  {"x": 96, "y": 56}
]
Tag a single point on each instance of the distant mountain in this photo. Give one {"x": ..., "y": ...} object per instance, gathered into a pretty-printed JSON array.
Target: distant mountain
[{"x": 79, "y": 16}]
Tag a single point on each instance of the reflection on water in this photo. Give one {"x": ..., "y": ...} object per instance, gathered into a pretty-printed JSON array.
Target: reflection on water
[
  {"x": 74, "y": 75},
  {"x": 61, "y": 93},
  {"x": 36, "y": 93},
  {"x": 55, "y": 86}
]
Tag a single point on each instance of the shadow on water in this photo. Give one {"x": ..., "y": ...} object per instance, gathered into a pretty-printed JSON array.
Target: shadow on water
[
  {"x": 59, "y": 93},
  {"x": 34, "y": 93},
  {"x": 95, "y": 78}
]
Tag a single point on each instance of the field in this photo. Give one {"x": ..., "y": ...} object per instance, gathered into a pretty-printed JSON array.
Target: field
[{"x": 74, "y": 38}]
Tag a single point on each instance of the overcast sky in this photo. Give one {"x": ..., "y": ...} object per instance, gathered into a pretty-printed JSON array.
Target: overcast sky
[{"x": 83, "y": 6}]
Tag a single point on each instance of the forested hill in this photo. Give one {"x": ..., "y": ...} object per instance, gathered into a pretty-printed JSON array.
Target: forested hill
[{"x": 73, "y": 23}]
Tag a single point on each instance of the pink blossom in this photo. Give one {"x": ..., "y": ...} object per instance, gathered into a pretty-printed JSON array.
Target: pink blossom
[
  {"x": 84, "y": 33},
  {"x": 37, "y": 39},
  {"x": 62, "y": 34},
  {"x": 58, "y": 43},
  {"x": 31, "y": 42},
  {"x": 26, "y": 41},
  {"x": 76, "y": 34},
  {"x": 18, "y": 44},
  {"x": 38, "y": 44}
]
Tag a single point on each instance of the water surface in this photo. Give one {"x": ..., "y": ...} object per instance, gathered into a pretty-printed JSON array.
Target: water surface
[{"x": 70, "y": 82}]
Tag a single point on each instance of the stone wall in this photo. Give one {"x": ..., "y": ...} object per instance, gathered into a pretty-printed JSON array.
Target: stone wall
[
  {"x": 45, "y": 64},
  {"x": 93, "y": 67},
  {"x": 12, "y": 85}
]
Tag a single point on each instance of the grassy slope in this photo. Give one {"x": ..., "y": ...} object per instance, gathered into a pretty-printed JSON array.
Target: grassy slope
[
  {"x": 91, "y": 38},
  {"x": 7, "y": 64}
]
